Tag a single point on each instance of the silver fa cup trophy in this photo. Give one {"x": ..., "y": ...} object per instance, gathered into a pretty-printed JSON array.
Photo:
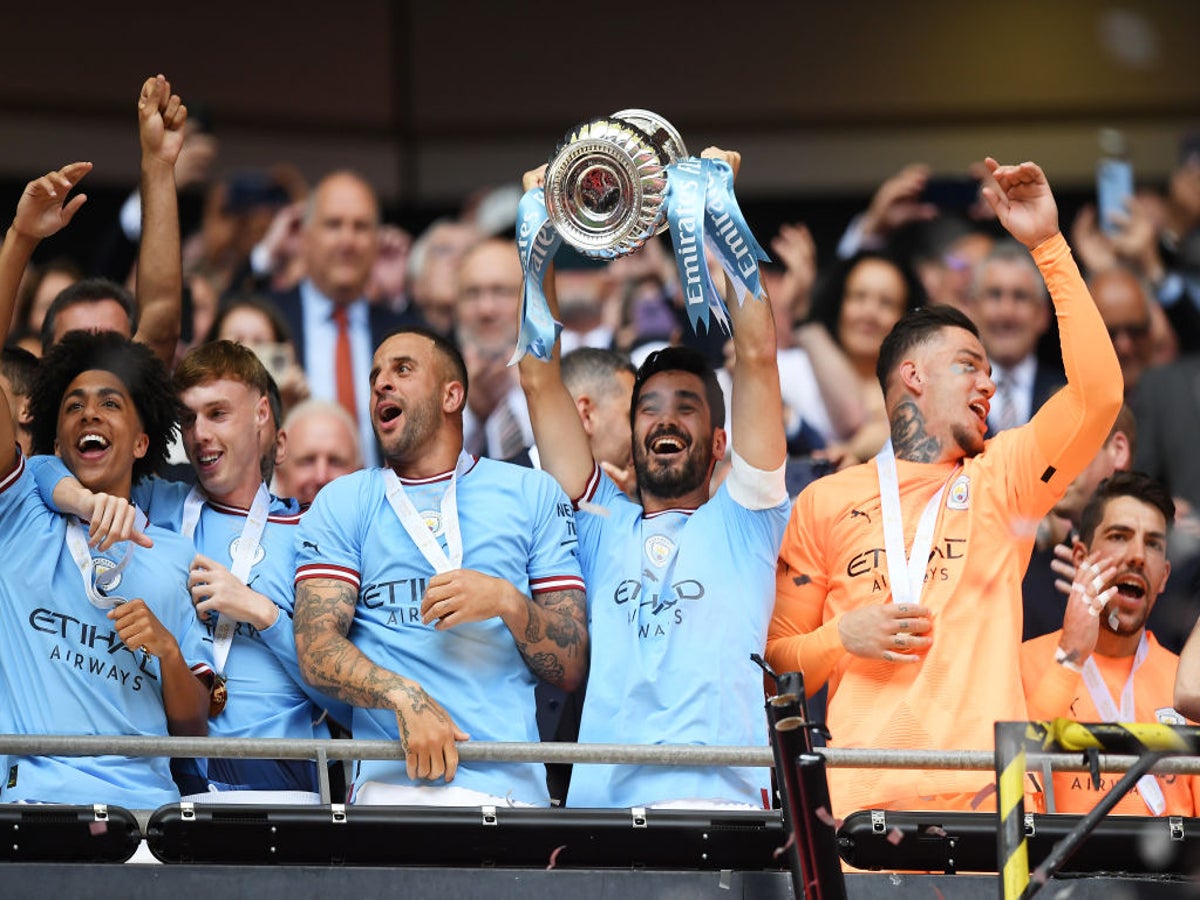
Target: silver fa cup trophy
[{"x": 606, "y": 183}]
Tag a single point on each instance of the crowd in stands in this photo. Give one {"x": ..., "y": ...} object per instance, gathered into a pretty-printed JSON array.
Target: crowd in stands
[{"x": 278, "y": 477}]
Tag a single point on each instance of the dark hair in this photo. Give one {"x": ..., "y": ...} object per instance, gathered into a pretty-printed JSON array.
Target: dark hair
[
  {"x": 142, "y": 373},
  {"x": 280, "y": 332},
  {"x": 1138, "y": 485},
  {"x": 446, "y": 347},
  {"x": 90, "y": 290},
  {"x": 18, "y": 365},
  {"x": 591, "y": 367},
  {"x": 831, "y": 290},
  {"x": 914, "y": 328},
  {"x": 682, "y": 359}
]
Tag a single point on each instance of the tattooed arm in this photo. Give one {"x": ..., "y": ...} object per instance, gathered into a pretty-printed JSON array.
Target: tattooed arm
[
  {"x": 550, "y": 630},
  {"x": 330, "y": 662}
]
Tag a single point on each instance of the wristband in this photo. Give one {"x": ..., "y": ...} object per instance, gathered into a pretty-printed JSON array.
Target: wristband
[{"x": 1064, "y": 659}]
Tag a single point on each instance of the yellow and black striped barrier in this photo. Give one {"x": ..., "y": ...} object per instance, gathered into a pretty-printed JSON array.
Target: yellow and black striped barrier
[{"x": 1150, "y": 742}]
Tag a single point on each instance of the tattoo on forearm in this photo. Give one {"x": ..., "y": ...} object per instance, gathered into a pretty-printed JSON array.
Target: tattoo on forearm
[
  {"x": 909, "y": 438},
  {"x": 547, "y": 667},
  {"x": 324, "y": 611},
  {"x": 554, "y": 640}
]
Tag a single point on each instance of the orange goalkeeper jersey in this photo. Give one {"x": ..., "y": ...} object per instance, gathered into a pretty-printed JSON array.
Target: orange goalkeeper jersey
[{"x": 833, "y": 561}]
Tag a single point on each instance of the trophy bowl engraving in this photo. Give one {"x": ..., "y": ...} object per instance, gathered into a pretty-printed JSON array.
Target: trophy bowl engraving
[{"x": 605, "y": 188}]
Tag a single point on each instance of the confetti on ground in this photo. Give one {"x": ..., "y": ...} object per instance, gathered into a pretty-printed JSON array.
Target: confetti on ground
[
  {"x": 937, "y": 830},
  {"x": 554, "y": 856},
  {"x": 98, "y": 828},
  {"x": 895, "y": 836}
]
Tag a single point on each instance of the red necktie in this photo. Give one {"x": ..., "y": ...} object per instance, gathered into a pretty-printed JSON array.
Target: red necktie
[{"x": 343, "y": 367}]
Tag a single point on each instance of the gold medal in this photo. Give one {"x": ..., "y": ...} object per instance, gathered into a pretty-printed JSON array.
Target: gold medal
[{"x": 218, "y": 696}]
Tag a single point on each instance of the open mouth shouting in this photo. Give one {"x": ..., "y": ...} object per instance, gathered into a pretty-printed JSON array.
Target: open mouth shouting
[
  {"x": 1131, "y": 590},
  {"x": 667, "y": 442},
  {"x": 981, "y": 408},
  {"x": 92, "y": 446},
  {"x": 388, "y": 413}
]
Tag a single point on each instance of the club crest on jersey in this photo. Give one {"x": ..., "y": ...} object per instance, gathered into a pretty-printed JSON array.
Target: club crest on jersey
[
  {"x": 1168, "y": 716},
  {"x": 659, "y": 548},
  {"x": 433, "y": 520},
  {"x": 259, "y": 552},
  {"x": 960, "y": 493},
  {"x": 107, "y": 580}
]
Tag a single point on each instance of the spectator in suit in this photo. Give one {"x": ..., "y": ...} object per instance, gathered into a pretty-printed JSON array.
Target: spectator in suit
[
  {"x": 334, "y": 327},
  {"x": 496, "y": 418},
  {"x": 1012, "y": 310}
]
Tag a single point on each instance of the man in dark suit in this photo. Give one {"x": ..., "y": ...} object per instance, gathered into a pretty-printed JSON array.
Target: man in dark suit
[
  {"x": 334, "y": 328},
  {"x": 1012, "y": 310}
]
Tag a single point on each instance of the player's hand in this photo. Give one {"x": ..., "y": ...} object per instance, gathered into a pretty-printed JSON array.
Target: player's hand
[
  {"x": 732, "y": 157},
  {"x": 534, "y": 178},
  {"x": 1023, "y": 202},
  {"x": 215, "y": 590},
  {"x": 1090, "y": 592},
  {"x": 895, "y": 632},
  {"x": 465, "y": 595},
  {"x": 428, "y": 735},
  {"x": 139, "y": 629},
  {"x": 161, "y": 116},
  {"x": 624, "y": 478},
  {"x": 114, "y": 519},
  {"x": 43, "y": 208}
]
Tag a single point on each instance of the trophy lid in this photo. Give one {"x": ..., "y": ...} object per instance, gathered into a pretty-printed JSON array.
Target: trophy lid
[{"x": 662, "y": 133}]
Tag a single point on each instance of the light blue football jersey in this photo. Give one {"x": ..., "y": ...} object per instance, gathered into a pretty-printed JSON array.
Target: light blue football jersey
[
  {"x": 677, "y": 602},
  {"x": 64, "y": 670},
  {"x": 516, "y": 524}
]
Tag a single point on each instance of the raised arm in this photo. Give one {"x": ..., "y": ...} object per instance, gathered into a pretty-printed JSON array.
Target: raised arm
[
  {"x": 757, "y": 407},
  {"x": 331, "y": 663},
  {"x": 562, "y": 443},
  {"x": 42, "y": 211},
  {"x": 1073, "y": 424},
  {"x": 161, "y": 116}
]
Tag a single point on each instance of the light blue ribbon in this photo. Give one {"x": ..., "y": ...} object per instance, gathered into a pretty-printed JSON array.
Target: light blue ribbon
[
  {"x": 537, "y": 242},
  {"x": 687, "y": 187},
  {"x": 703, "y": 212},
  {"x": 729, "y": 235}
]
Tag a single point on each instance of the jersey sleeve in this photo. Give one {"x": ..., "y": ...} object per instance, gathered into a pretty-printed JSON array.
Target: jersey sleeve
[
  {"x": 554, "y": 551},
  {"x": 1071, "y": 427},
  {"x": 798, "y": 638},
  {"x": 327, "y": 537},
  {"x": 1049, "y": 688},
  {"x": 47, "y": 471}
]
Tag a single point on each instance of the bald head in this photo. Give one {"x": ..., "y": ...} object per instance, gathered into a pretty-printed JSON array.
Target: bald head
[{"x": 341, "y": 236}]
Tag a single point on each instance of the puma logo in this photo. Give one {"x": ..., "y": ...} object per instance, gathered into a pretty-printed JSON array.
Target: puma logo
[
  {"x": 859, "y": 512},
  {"x": 315, "y": 548}
]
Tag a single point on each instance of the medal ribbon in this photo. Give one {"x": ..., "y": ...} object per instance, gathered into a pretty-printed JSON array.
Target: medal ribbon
[
  {"x": 420, "y": 533},
  {"x": 906, "y": 572},
  {"x": 243, "y": 559},
  {"x": 95, "y": 584},
  {"x": 1148, "y": 785},
  {"x": 537, "y": 242}
]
